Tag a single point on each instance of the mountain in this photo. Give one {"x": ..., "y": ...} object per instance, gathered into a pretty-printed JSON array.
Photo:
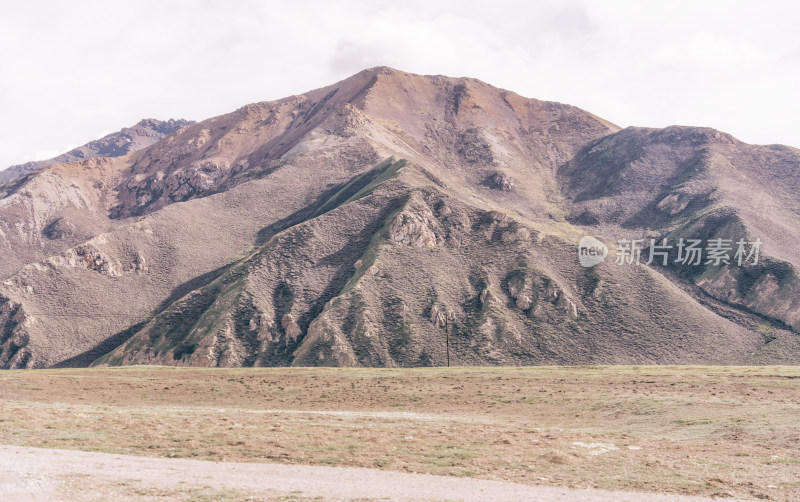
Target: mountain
[
  {"x": 394, "y": 219},
  {"x": 127, "y": 140}
]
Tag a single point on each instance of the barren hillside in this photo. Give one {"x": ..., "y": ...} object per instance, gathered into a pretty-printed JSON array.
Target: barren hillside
[{"x": 385, "y": 218}]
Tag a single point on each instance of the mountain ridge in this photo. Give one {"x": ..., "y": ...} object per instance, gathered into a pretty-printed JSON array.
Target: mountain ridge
[
  {"x": 126, "y": 140},
  {"x": 354, "y": 224}
]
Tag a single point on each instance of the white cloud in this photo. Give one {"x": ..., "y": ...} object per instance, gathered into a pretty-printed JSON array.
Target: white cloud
[{"x": 73, "y": 68}]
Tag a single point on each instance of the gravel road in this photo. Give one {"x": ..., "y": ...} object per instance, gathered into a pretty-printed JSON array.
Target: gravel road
[{"x": 33, "y": 474}]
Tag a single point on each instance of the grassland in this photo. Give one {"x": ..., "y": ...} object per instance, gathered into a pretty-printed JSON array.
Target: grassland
[{"x": 714, "y": 431}]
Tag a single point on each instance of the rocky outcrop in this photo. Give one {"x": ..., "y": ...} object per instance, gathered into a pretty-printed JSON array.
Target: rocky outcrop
[
  {"x": 415, "y": 225},
  {"x": 13, "y": 337},
  {"x": 499, "y": 181},
  {"x": 473, "y": 148}
]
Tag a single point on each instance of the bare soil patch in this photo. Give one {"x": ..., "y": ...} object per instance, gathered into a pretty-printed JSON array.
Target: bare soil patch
[{"x": 69, "y": 475}]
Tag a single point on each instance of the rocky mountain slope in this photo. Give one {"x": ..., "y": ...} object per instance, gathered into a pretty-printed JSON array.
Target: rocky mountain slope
[
  {"x": 391, "y": 219},
  {"x": 47, "y": 212},
  {"x": 127, "y": 140}
]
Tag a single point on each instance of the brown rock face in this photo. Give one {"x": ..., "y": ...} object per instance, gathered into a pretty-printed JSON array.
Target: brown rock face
[
  {"x": 414, "y": 226},
  {"x": 500, "y": 181}
]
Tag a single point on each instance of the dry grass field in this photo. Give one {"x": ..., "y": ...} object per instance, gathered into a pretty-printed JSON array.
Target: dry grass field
[{"x": 711, "y": 431}]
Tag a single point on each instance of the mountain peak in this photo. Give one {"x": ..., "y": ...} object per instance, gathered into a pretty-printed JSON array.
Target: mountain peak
[
  {"x": 384, "y": 70},
  {"x": 162, "y": 126},
  {"x": 353, "y": 224},
  {"x": 128, "y": 139}
]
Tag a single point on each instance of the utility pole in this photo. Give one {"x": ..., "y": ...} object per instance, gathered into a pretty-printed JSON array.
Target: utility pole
[{"x": 447, "y": 336}]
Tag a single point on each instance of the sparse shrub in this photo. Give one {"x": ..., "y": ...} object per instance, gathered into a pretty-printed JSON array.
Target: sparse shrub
[{"x": 184, "y": 349}]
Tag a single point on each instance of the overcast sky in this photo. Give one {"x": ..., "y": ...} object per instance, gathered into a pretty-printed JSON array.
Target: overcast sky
[{"x": 73, "y": 71}]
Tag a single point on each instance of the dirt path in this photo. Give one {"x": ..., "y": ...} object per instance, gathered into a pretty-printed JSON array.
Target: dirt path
[{"x": 35, "y": 474}]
